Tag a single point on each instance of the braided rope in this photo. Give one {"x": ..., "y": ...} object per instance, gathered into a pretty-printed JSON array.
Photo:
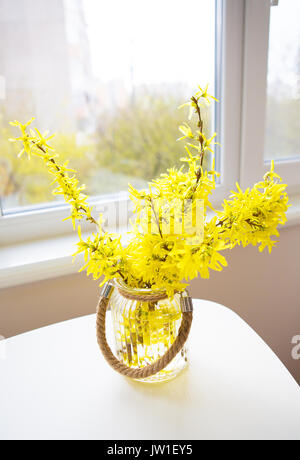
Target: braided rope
[
  {"x": 161, "y": 363},
  {"x": 155, "y": 297}
]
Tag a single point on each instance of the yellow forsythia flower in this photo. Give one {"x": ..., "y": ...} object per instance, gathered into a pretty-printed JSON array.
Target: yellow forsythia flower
[{"x": 167, "y": 260}]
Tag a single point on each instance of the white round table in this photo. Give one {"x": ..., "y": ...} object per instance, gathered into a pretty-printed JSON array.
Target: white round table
[{"x": 54, "y": 384}]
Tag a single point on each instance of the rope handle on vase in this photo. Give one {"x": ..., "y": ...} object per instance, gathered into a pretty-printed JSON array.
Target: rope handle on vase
[{"x": 161, "y": 363}]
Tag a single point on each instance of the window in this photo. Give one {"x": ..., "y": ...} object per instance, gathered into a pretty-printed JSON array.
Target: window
[
  {"x": 283, "y": 82},
  {"x": 107, "y": 77}
]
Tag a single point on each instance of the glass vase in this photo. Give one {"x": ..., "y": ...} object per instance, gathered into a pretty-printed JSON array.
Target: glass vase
[{"x": 145, "y": 330}]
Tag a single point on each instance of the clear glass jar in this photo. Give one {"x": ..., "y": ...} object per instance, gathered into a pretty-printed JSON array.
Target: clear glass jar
[{"x": 144, "y": 331}]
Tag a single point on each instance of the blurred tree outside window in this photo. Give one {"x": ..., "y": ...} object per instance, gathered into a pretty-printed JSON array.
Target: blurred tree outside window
[
  {"x": 107, "y": 77},
  {"x": 283, "y": 90}
]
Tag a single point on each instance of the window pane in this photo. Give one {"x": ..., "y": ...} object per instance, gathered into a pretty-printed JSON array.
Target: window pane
[
  {"x": 107, "y": 77},
  {"x": 283, "y": 101}
]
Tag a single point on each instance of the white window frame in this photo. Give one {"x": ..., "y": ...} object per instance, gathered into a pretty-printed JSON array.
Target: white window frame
[
  {"x": 229, "y": 63},
  {"x": 49, "y": 221}
]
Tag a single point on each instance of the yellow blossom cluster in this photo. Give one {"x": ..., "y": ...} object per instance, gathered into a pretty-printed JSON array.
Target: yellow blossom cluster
[
  {"x": 34, "y": 143},
  {"x": 104, "y": 255},
  {"x": 252, "y": 217},
  {"x": 158, "y": 255}
]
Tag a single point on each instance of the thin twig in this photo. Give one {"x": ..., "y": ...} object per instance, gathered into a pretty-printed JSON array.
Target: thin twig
[
  {"x": 89, "y": 219},
  {"x": 156, "y": 218}
]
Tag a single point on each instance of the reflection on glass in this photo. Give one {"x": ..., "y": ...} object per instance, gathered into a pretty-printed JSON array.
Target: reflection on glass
[
  {"x": 107, "y": 77},
  {"x": 283, "y": 101}
]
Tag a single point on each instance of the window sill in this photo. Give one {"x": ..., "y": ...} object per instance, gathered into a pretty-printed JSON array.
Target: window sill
[
  {"x": 51, "y": 258},
  {"x": 38, "y": 260}
]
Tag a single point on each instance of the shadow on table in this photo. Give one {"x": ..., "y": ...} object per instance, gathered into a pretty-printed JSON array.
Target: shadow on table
[{"x": 176, "y": 389}]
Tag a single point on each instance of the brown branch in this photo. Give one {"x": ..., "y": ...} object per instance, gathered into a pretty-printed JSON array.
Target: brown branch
[
  {"x": 221, "y": 222},
  {"x": 201, "y": 141},
  {"x": 200, "y": 126},
  {"x": 156, "y": 218},
  {"x": 89, "y": 219}
]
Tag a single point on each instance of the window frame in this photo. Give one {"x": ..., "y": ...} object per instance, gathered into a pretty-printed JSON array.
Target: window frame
[
  {"x": 229, "y": 64},
  {"x": 52, "y": 220}
]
